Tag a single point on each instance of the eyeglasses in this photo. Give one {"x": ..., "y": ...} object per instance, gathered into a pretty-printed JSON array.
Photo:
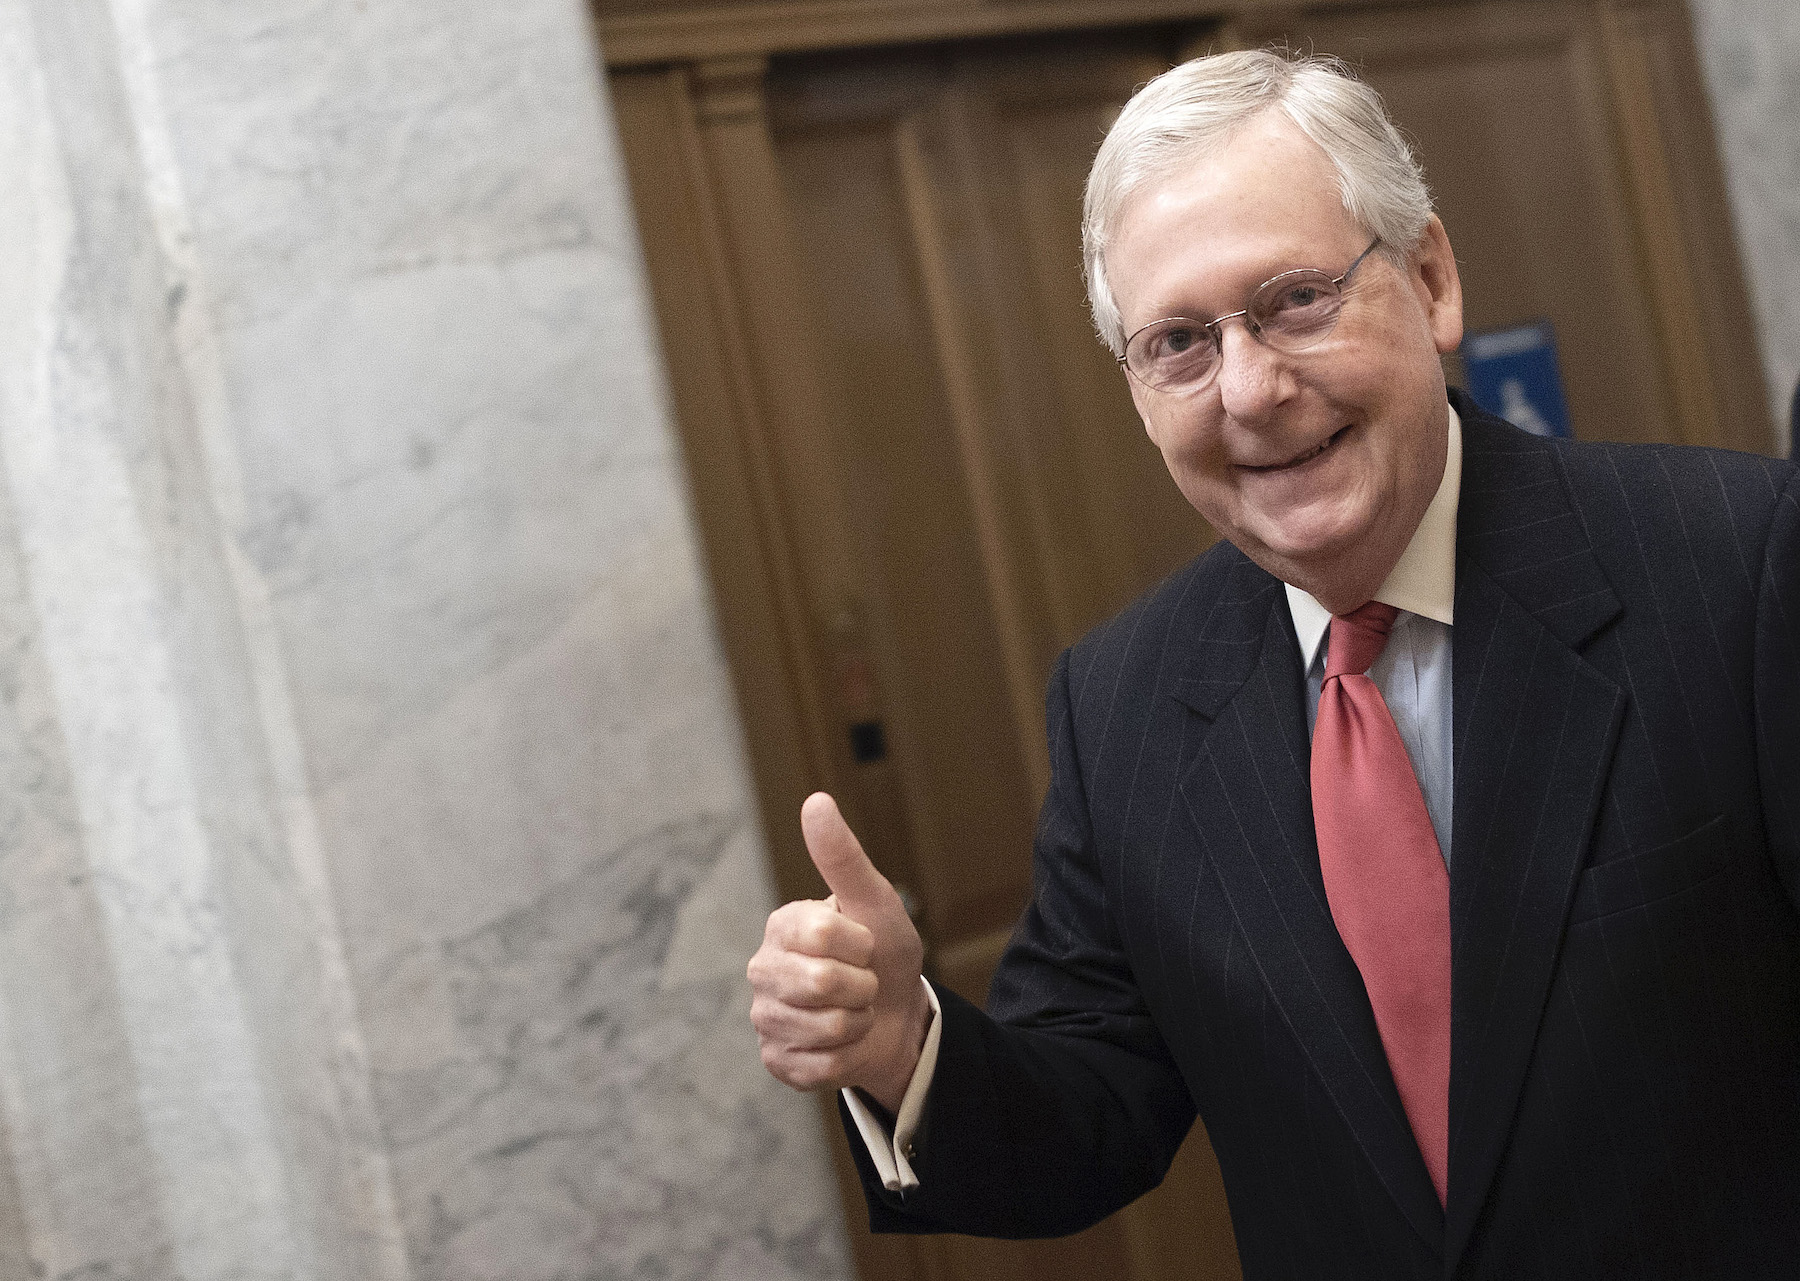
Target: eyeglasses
[{"x": 1291, "y": 312}]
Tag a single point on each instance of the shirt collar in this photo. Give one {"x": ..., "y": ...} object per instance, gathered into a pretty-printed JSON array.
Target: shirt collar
[{"x": 1423, "y": 580}]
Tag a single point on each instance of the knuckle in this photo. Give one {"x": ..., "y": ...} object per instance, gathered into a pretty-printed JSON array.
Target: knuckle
[
  {"x": 764, "y": 972},
  {"x": 806, "y": 928},
  {"x": 815, "y": 936},
  {"x": 815, "y": 980}
]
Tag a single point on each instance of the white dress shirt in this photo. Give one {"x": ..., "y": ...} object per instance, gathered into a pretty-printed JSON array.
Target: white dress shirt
[{"x": 1413, "y": 674}]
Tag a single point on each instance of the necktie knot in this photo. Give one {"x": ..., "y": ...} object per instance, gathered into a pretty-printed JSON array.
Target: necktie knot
[{"x": 1357, "y": 639}]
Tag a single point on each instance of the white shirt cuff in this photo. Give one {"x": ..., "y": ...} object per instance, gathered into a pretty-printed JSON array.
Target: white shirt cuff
[{"x": 893, "y": 1156}]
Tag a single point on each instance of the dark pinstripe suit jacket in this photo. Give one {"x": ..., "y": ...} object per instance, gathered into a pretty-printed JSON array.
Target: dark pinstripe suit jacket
[{"x": 1625, "y": 1079}]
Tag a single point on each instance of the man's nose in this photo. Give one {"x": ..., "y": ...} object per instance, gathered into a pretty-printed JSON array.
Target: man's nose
[{"x": 1253, "y": 377}]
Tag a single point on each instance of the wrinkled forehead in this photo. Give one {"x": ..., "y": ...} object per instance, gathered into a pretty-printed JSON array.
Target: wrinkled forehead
[
  {"x": 1264, "y": 199},
  {"x": 1265, "y": 150}
]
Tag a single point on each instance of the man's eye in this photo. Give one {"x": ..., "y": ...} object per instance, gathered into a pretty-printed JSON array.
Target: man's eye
[
  {"x": 1298, "y": 309},
  {"x": 1175, "y": 342},
  {"x": 1299, "y": 298}
]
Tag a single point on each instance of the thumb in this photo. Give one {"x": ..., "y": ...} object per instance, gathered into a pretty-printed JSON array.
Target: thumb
[{"x": 838, "y": 855}]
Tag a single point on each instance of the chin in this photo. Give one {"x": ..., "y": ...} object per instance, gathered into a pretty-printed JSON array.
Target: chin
[{"x": 1314, "y": 542}]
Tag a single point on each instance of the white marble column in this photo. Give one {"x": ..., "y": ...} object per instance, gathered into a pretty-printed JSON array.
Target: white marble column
[
  {"x": 377, "y": 857},
  {"x": 1750, "y": 50}
]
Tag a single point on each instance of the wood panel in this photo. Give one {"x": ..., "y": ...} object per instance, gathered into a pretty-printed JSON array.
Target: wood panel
[
  {"x": 931, "y": 620},
  {"x": 1668, "y": 115}
]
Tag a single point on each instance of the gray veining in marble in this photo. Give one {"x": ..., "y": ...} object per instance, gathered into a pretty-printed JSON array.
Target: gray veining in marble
[
  {"x": 377, "y": 855},
  {"x": 639, "y": 1139},
  {"x": 134, "y": 1007},
  {"x": 1750, "y": 51}
]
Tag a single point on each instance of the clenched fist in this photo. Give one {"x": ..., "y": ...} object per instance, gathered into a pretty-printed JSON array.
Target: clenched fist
[{"x": 838, "y": 999}]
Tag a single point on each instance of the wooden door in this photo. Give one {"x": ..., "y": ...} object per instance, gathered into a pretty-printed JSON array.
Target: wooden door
[{"x": 919, "y": 475}]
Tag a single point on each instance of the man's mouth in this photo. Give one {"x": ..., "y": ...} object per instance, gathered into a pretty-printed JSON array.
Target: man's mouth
[{"x": 1305, "y": 457}]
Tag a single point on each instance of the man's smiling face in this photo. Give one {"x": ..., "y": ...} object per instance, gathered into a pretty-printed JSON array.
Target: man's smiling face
[{"x": 1319, "y": 464}]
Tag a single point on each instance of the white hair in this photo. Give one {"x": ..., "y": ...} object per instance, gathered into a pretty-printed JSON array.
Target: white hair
[{"x": 1196, "y": 107}]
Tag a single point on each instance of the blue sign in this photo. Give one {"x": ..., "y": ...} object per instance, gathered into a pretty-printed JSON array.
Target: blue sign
[{"x": 1513, "y": 373}]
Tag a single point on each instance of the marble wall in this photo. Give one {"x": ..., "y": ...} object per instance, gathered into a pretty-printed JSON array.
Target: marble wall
[
  {"x": 377, "y": 855},
  {"x": 1750, "y": 52}
]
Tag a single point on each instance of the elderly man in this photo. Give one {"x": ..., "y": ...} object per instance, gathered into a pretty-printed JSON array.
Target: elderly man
[{"x": 1435, "y": 837}]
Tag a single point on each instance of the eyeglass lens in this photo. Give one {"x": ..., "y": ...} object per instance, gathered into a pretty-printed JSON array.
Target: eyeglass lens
[{"x": 1289, "y": 313}]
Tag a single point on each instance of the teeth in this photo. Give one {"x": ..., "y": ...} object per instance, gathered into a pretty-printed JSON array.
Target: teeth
[
  {"x": 1307, "y": 457},
  {"x": 1312, "y": 453}
]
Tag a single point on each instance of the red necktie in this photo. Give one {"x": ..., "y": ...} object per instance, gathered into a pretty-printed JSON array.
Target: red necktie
[{"x": 1385, "y": 877}]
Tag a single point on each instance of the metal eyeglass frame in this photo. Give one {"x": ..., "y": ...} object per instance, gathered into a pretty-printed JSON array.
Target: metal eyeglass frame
[{"x": 1212, "y": 326}]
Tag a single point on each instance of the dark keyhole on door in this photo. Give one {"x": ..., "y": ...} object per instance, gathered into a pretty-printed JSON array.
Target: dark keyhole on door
[{"x": 868, "y": 742}]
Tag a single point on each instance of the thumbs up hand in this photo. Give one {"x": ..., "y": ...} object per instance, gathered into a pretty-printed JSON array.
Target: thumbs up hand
[{"x": 837, "y": 997}]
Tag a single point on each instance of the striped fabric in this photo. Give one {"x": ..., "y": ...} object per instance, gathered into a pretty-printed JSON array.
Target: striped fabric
[{"x": 1625, "y": 1075}]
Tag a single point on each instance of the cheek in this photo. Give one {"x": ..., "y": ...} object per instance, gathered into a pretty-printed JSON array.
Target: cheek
[
  {"x": 1192, "y": 453},
  {"x": 1184, "y": 431}
]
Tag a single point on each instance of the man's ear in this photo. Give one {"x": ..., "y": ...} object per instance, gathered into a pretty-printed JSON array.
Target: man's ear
[{"x": 1438, "y": 286}]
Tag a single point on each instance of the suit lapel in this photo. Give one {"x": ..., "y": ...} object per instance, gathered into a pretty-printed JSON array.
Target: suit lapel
[
  {"x": 1534, "y": 728},
  {"x": 1247, "y": 787}
]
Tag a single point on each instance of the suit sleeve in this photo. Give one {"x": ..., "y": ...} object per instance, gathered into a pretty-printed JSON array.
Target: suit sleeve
[
  {"x": 1062, "y": 1105},
  {"x": 1778, "y": 687}
]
